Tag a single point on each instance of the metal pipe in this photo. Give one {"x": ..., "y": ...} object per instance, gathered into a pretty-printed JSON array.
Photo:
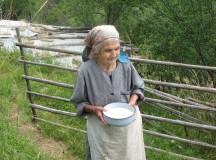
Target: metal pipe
[
  {"x": 199, "y": 143},
  {"x": 180, "y": 104},
  {"x": 182, "y": 115},
  {"x": 60, "y": 125},
  {"x": 48, "y": 49},
  {"x": 147, "y": 89},
  {"x": 149, "y": 61},
  {"x": 172, "y": 97},
  {"x": 52, "y": 110},
  {"x": 47, "y": 65},
  {"x": 171, "y": 153},
  {"x": 47, "y": 96},
  {"x": 179, "y": 85},
  {"x": 64, "y": 85},
  {"x": 132, "y": 59},
  {"x": 179, "y": 122},
  {"x": 25, "y": 72}
]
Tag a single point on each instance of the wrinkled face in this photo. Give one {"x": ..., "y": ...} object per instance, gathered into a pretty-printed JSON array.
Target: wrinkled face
[{"x": 109, "y": 52}]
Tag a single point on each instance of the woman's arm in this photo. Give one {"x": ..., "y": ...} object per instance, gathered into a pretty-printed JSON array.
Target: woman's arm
[
  {"x": 80, "y": 97},
  {"x": 133, "y": 99},
  {"x": 137, "y": 86}
]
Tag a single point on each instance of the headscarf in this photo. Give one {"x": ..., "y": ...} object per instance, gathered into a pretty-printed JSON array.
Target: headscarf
[{"x": 96, "y": 37}]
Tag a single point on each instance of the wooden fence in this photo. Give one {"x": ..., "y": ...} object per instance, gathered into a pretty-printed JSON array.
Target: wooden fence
[{"x": 166, "y": 99}]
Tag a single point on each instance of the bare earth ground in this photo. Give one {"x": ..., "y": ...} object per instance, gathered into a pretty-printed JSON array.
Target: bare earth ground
[{"x": 48, "y": 146}]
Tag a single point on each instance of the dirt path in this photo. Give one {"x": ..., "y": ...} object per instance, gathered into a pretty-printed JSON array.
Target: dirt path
[{"x": 48, "y": 146}]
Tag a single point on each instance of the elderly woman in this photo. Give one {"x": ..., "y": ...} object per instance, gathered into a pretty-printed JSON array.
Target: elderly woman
[{"x": 103, "y": 79}]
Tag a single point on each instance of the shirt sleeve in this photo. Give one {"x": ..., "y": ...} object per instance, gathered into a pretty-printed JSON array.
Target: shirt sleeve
[
  {"x": 137, "y": 83},
  {"x": 79, "y": 97}
]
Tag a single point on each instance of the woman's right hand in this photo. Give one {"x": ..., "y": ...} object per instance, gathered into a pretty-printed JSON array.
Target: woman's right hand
[{"x": 98, "y": 110}]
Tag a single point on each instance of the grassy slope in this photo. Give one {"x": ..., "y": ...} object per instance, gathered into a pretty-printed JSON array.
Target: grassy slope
[
  {"x": 12, "y": 91},
  {"x": 13, "y": 146}
]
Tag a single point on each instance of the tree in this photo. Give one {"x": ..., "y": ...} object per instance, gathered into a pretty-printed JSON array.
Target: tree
[
  {"x": 181, "y": 31},
  {"x": 18, "y": 9}
]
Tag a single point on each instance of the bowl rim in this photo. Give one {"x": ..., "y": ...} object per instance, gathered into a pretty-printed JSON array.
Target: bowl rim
[{"x": 134, "y": 111}]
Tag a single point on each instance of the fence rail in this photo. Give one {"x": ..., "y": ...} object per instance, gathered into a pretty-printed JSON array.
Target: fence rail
[
  {"x": 47, "y": 65},
  {"x": 151, "y": 100},
  {"x": 172, "y": 97},
  {"x": 48, "y": 96},
  {"x": 47, "y": 49},
  {"x": 182, "y": 86},
  {"x": 59, "y": 84},
  {"x": 132, "y": 59},
  {"x": 179, "y": 122},
  {"x": 148, "y": 61},
  {"x": 145, "y": 116},
  {"x": 148, "y": 81},
  {"x": 203, "y": 108},
  {"x": 188, "y": 141},
  {"x": 171, "y": 153}
]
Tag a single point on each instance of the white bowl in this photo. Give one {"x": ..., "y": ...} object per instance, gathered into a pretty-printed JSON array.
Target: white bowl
[{"x": 119, "y": 114}]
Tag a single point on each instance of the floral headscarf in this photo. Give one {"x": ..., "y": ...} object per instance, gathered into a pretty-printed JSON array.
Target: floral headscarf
[{"x": 96, "y": 37}]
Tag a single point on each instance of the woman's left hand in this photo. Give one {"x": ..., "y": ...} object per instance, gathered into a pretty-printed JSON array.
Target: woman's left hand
[{"x": 133, "y": 100}]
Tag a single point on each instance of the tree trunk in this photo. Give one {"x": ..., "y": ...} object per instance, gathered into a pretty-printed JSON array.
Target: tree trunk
[
  {"x": 1, "y": 16},
  {"x": 210, "y": 73}
]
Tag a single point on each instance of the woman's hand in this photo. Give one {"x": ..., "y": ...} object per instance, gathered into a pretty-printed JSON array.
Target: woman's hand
[
  {"x": 133, "y": 99},
  {"x": 98, "y": 110}
]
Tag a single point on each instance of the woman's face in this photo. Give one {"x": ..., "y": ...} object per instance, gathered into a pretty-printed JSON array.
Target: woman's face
[{"x": 109, "y": 52}]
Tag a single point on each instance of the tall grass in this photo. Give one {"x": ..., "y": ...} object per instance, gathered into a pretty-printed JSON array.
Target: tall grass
[{"x": 13, "y": 146}]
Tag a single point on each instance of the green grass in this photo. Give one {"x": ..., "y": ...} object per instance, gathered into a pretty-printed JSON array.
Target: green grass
[
  {"x": 13, "y": 146},
  {"x": 13, "y": 88}
]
